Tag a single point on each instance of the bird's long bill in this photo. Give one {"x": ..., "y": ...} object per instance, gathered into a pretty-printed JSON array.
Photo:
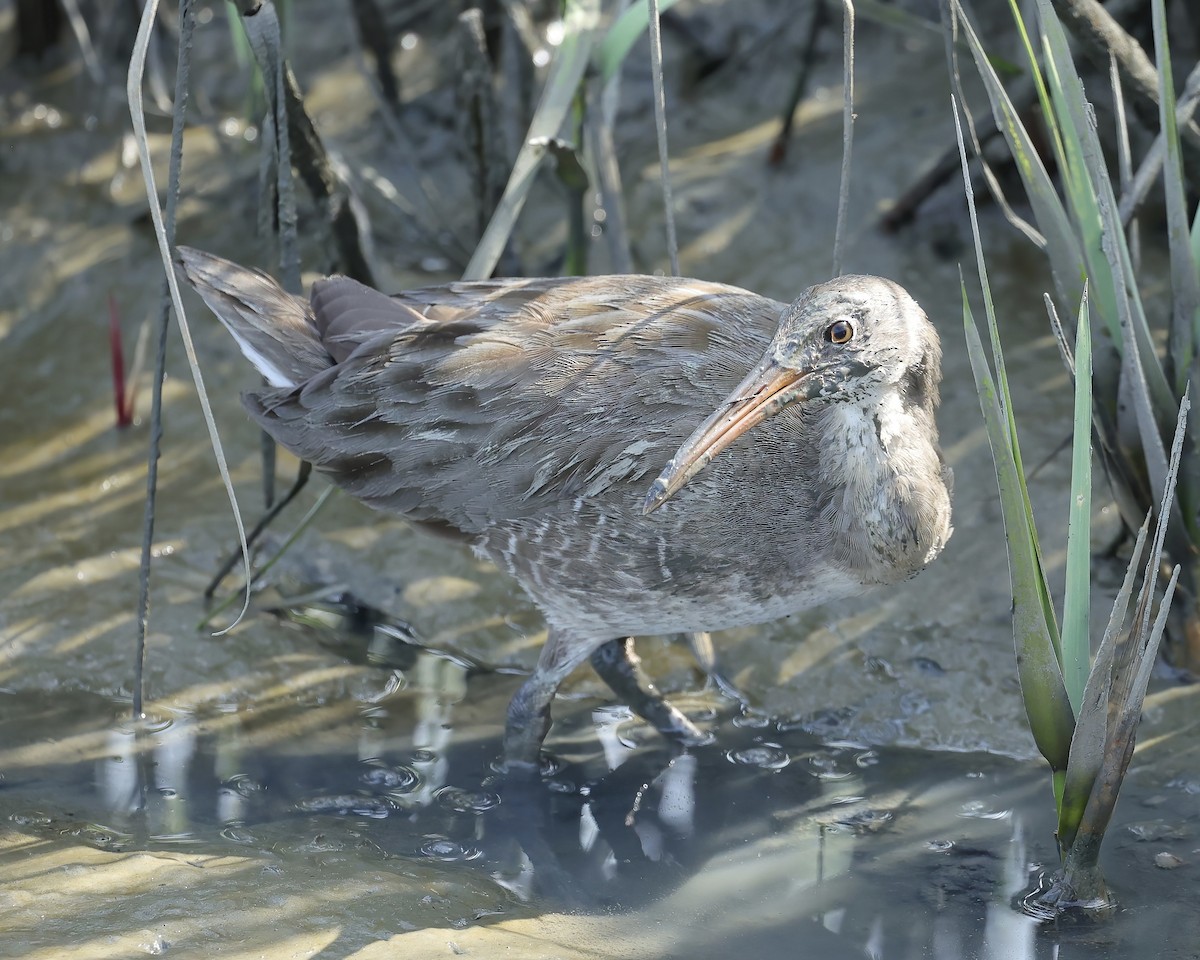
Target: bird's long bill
[{"x": 766, "y": 391}]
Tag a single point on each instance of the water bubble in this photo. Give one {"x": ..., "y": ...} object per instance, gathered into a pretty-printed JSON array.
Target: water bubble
[
  {"x": 939, "y": 846},
  {"x": 244, "y": 786},
  {"x": 752, "y": 721},
  {"x": 447, "y": 850},
  {"x": 397, "y": 779},
  {"x": 466, "y": 801},
  {"x": 821, "y": 722},
  {"x": 981, "y": 810},
  {"x": 238, "y": 834},
  {"x": 826, "y": 766},
  {"x": 769, "y": 756},
  {"x": 424, "y": 756},
  {"x": 868, "y": 758}
]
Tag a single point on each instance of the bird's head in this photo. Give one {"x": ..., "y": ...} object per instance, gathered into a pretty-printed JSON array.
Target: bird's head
[{"x": 850, "y": 340}]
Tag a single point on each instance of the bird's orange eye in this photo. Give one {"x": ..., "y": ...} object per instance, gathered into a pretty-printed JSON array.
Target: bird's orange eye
[{"x": 840, "y": 331}]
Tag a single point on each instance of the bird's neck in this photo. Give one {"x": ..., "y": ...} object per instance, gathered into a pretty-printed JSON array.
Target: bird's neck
[{"x": 890, "y": 505}]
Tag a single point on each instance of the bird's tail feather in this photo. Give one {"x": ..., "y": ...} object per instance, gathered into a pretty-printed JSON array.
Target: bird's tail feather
[{"x": 274, "y": 329}]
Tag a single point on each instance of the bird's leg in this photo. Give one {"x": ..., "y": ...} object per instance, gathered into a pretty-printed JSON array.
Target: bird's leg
[
  {"x": 620, "y": 667},
  {"x": 529, "y": 711}
]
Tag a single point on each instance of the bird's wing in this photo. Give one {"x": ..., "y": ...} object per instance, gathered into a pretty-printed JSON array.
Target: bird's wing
[{"x": 456, "y": 403}]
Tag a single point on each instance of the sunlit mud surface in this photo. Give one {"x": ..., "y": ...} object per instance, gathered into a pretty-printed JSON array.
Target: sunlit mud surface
[{"x": 304, "y": 789}]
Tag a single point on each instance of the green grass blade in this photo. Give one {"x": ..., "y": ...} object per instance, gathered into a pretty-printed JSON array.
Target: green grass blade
[
  {"x": 1062, "y": 247},
  {"x": 1005, "y": 397},
  {"x": 1076, "y": 643},
  {"x": 1185, "y": 288},
  {"x": 1112, "y": 259},
  {"x": 562, "y": 83},
  {"x": 1090, "y": 739},
  {"x": 1070, "y": 108},
  {"x": 1046, "y": 703},
  {"x": 1131, "y": 674},
  {"x": 623, "y": 34}
]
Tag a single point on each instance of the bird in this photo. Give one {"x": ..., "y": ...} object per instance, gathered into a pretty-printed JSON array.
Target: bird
[{"x": 644, "y": 455}]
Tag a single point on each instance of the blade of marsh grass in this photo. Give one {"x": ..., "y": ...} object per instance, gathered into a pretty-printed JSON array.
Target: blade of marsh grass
[
  {"x": 1046, "y": 702},
  {"x": 1005, "y": 396},
  {"x": 623, "y": 34},
  {"x": 1068, "y": 112},
  {"x": 133, "y": 91},
  {"x": 1131, "y": 675},
  {"x": 1090, "y": 739},
  {"x": 1185, "y": 290},
  {"x": 1019, "y": 99},
  {"x": 1124, "y": 162},
  {"x": 1095, "y": 196},
  {"x": 1076, "y": 643},
  {"x": 660, "y": 126},
  {"x": 1061, "y": 246},
  {"x": 1035, "y": 632},
  {"x": 839, "y": 240},
  {"x": 566, "y": 72},
  {"x": 1134, "y": 194}
]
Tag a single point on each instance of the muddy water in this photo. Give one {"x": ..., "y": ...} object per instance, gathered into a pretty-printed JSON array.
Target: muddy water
[{"x": 298, "y": 791}]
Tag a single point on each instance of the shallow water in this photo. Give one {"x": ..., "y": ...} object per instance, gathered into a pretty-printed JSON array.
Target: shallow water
[
  {"x": 377, "y": 819},
  {"x": 303, "y": 789}
]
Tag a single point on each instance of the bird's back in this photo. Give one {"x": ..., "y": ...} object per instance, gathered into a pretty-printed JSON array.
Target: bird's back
[{"x": 468, "y": 403}]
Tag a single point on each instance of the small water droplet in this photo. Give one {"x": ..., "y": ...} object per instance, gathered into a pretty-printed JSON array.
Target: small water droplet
[
  {"x": 394, "y": 779},
  {"x": 769, "y": 756},
  {"x": 447, "y": 850},
  {"x": 238, "y": 834},
  {"x": 466, "y": 801},
  {"x": 244, "y": 786},
  {"x": 826, "y": 766},
  {"x": 981, "y": 810},
  {"x": 752, "y": 721}
]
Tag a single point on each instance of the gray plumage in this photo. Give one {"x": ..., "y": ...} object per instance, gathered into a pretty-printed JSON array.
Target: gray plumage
[{"x": 532, "y": 419}]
